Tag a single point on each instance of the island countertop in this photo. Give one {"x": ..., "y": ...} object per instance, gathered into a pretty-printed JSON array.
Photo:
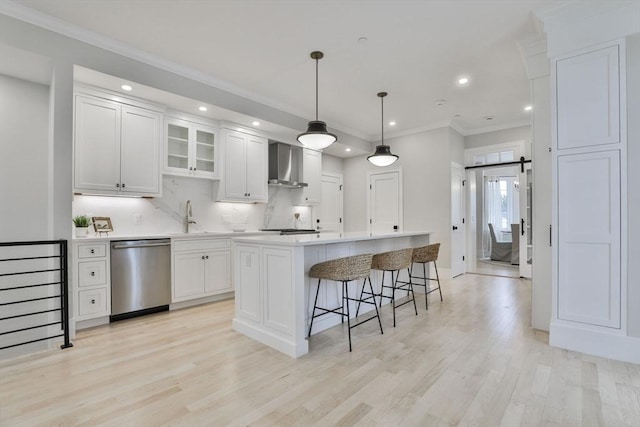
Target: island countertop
[{"x": 323, "y": 238}]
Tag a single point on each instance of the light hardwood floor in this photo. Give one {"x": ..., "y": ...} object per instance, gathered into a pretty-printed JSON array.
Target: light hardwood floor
[{"x": 471, "y": 360}]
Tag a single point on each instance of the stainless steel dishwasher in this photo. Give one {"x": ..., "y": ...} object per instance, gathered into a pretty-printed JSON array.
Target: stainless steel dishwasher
[{"x": 140, "y": 277}]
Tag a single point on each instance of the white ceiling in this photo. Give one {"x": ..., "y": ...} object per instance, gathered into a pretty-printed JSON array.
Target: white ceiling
[{"x": 415, "y": 51}]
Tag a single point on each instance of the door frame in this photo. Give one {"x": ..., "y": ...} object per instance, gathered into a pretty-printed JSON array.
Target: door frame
[
  {"x": 400, "y": 197},
  {"x": 463, "y": 215}
]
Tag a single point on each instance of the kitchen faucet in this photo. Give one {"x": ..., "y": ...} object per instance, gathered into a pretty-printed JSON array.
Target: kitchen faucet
[{"x": 187, "y": 217}]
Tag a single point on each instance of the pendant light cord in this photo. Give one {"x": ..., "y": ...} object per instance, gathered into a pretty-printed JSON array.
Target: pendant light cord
[
  {"x": 316, "y": 89},
  {"x": 382, "y": 122}
]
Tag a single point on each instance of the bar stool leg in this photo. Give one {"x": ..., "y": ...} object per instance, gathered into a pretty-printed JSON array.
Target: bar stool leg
[
  {"x": 315, "y": 304},
  {"x": 438, "y": 277},
  {"x": 393, "y": 297},
  {"x": 426, "y": 287},
  {"x": 375, "y": 306},
  {"x": 364, "y": 282},
  {"x": 346, "y": 302},
  {"x": 413, "y": 295}
]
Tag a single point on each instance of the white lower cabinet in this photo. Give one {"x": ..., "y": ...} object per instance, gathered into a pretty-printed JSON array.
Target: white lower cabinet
[
  {"x": 91, "y": 280},
  {"x": 200, "y": 268}
]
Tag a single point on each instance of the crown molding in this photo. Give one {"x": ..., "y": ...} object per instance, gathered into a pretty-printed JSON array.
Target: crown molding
[{"x": 496, "y": 128}]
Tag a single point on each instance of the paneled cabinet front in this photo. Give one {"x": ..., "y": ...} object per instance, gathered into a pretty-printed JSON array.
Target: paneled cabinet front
[
  {"x": 91, "y": 281},
  {"x": 116, "y": 148},
  {"x": 312, "y": 175},
  {"x": 190, "y": 149},
  {"x": 200, "y": 268},
  {"x": 245, "y": 168}
]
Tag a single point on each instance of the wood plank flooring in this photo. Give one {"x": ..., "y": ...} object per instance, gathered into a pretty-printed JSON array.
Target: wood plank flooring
[{"x": 471, "y": 360}]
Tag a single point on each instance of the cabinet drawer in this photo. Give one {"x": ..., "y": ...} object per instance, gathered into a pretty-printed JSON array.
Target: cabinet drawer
[
  {"x": 92, "y": 302},
  {"x": 201, "y": 245},
  {"x": 92, "y": 273},
  {"x": 92, "y": 251}
]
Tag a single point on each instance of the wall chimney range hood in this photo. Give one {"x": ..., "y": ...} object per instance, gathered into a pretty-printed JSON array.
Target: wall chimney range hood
[{"x": 284, "y": 165}]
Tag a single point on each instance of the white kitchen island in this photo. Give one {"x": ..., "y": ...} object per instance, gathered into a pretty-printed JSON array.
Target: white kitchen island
[{"x": 273, "y": 290}]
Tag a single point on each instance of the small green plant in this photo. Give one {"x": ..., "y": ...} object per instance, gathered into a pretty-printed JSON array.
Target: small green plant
[{"x": 81, "y": 221}]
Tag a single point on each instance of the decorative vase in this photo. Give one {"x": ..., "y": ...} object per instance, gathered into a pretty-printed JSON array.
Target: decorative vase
[{"x": 82, "y": 231}]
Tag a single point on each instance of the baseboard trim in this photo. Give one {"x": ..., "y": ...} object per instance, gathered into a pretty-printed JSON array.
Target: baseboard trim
[{"x": 598, "y": 343}]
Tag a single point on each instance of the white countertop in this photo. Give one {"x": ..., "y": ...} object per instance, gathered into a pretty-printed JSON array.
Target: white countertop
[
  {"x": 322, "y": 238},
  {"x": 193, "y": 235}
]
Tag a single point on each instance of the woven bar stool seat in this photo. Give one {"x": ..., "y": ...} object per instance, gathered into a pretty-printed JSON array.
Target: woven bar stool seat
[
  {"x": 393, "y": 261},
  {"x": 424, "y": 255},
  {"x": 344, "y": 270}
]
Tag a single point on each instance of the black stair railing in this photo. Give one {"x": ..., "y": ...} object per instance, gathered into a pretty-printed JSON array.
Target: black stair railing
[{"x": 34, "y": 292}]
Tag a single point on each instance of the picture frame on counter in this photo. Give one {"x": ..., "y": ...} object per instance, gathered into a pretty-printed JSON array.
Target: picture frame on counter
[{"x": 101, "y": 224}]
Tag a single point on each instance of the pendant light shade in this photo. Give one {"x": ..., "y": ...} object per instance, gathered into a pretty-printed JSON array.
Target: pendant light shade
[
  {"x": 317, "y": 137},
  {"x": 382, "y": 155}
]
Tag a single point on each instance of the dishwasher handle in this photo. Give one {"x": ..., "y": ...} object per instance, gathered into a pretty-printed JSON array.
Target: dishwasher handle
[{"x": 144, "y": 245}]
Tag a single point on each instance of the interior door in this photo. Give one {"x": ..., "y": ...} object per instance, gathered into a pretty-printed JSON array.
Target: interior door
[
  {"x": 457, "y": 220},
  {"x": 385, "y": 202},
  {"x": 330, "y": 214},
  {"x": 526, "y": 230}
]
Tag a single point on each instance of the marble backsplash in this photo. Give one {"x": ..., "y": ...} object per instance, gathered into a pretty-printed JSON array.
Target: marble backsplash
[{"x": 138, "y": 216}]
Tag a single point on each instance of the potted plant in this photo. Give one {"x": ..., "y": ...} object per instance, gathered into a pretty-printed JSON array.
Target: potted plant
[{"x": 82, "y": 223}]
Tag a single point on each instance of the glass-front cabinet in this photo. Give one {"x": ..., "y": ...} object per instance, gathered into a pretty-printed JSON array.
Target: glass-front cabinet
[{"x": 190, "y": 149}]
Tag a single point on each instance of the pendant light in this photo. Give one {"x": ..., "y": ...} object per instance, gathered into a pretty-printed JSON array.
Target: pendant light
[
  {"x": 317, "y": 137},
  {"x": 383, "y": 155}
]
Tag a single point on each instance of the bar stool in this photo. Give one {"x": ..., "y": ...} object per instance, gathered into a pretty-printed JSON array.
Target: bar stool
[
  {"x": 344, "y": 270},
  {"x": 424, "y": 255},
  {"x": 394, "y": 261}
]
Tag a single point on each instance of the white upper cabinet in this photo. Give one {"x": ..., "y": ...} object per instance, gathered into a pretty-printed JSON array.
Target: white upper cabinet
[
  {"x": 245, "y": 168},
  {"x": 190, "y": 149},
  {"x": 116, "y": 148},
  {"x": 588, "y": 99},
  {"x": 311, "y": 174}
]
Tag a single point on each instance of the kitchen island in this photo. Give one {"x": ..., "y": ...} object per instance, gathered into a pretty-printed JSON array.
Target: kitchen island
[{"x": 273, "y": 290}]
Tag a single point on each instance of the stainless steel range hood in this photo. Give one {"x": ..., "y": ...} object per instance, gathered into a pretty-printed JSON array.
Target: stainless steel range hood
[{"x": 284, "y": 165}]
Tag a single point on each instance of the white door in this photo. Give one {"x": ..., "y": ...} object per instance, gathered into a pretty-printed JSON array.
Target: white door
[
  {"x": 235, "y": 165},
  {"x": 526, "y": 218},
  {"x": 457, "y": 220},
  {"x": 257, "y": 175},
  {"x": 330, "y": 214},
  {"x": 97, "y": 145},
  {"x": 385, "y": 202},
  {"x": 139, "y": 151}
]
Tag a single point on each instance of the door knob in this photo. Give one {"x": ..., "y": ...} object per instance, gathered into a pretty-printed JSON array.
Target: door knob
[{"x": 455, "y": 227}]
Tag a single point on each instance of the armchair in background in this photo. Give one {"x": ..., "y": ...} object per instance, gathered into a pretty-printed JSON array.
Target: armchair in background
[{"x": 500, "y": 251}]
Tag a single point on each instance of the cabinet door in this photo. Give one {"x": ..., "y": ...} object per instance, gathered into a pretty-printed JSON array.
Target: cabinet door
[
  {"x": 248, "y": 292},
  {"x": 257, "y": 179},
  {"x": 218, "y": 271},
  {"x": 235, "y": 166},
  {"x": 204, "y": 152},
  {"x": 588, "y": 99},
  {"x": 188, "y": 275},
  {"x": 139, "y": 152},
  {"x": 312, "y": 170},
  {"x": 97, "y": 145},
  {"x": 589, "y": 270},
  {"x": 176, "y": 149}
]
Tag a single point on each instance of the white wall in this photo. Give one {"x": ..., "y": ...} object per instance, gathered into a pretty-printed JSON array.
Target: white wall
[
  {"x": 24, "y": 160},
  {"x": 331, "y": 164},
  {"x": 425, "y": 160}
]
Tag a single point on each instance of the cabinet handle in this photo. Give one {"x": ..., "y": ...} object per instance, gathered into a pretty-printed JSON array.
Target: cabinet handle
[
  {"x": 93, "y": 273},
  {"x": 93, "y": 251},
  {"x": 190, "y": 168},
  {"x": 207, "y": 257},
  {"x": 202, "y": 256},
  {"x": 194, "y": 169},
  {"x": 93, "y": 301},
  {"x": 123, "y": 185},
  {"x": 118, "y": 185}
]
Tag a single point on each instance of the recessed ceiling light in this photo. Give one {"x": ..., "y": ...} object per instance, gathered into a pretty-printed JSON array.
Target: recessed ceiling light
[
  {"x": 126, "y": 87},
  {"x": 489, "y": 117},
  {"x": 463, "y": 81},
  {"x": 203, "y": 108},
  {"x": 256, "y": 123},
  {"x": 528, "y": 107},
  {"x": 347, "y": 149},
  {"x": 392, "y": 123},
  {"x": 440, "y": 102},
  {"x": 362, "y": 40}
]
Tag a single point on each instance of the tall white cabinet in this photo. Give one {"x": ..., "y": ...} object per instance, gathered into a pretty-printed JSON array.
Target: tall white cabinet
[
  {"x": 116, "y": 148},
  {"x": 589, "y": 145}
]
